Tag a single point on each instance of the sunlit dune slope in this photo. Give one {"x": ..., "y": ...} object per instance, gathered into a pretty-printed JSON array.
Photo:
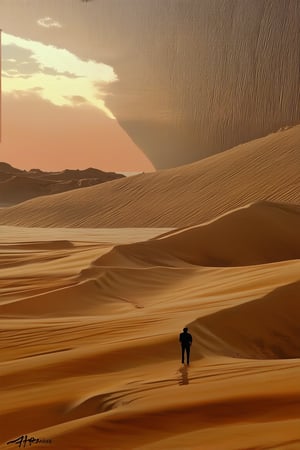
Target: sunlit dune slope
[
  {"x": 41, "y": 271},
  {"x": 89, "y": 342},
  {"x": 261, "y": 233},
  {"x": 265, "y": 169},
  {"x": 138, "y": 274}
]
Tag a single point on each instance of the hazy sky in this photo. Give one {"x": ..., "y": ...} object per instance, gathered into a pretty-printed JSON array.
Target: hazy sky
[{"x": 54, "y": 112}]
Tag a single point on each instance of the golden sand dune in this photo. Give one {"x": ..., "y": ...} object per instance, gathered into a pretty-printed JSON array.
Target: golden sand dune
[
  {"x": 161, "y": 263},
  {"x": 42, "y": 277},
  {"x": 260, "y": 233},
  {"x": 89, "y": 341},
  {"x": 265, "y": 169}
]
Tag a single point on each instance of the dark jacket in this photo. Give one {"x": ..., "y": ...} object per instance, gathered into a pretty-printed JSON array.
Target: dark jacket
[{"x": 185, "y": 339}]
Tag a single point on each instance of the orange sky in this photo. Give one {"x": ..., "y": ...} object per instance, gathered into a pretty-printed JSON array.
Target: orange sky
[
  {"x": 54, "y": 114},
  {"x": 38, "y": 134}
]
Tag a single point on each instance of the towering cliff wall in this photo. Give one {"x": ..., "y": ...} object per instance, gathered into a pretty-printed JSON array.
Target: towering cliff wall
[
  {"x": 208, "y": 75},
  {"x": 195, "y": 76}
]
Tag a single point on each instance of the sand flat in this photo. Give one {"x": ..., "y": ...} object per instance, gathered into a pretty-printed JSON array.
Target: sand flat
[{"x": 89, "y": 340}]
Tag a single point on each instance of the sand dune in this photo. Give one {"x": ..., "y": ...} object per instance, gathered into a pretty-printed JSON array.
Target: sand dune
[
  {"x": 260, "y": 233},
  {"x": 90, "y": 316},
  {"x": 265, "y": 169},
  {"x": 267, "y": 328},
  {"x": 44, "y": 276},
  {"x": 89, "y": 323},
  {"x": 89, "y": 334},
  {"x": 89, "y": 340}
]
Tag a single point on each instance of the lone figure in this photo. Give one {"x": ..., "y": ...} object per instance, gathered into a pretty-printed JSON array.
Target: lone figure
[{"x": 186, "y": 340}]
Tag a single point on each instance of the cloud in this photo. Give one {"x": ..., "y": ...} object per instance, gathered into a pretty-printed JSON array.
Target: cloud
[
  {"x": 18, "y": 62},
  {"x": 60, "y": 76},
  {"x": 14, "y": 52},
  {"x": 21, "y": 62},
  {"x": 77, "y": 100},
  {"x": 51, "y": 71},
  {"x": 62, "y": 60},
  {"x": 47, "y": 22}
]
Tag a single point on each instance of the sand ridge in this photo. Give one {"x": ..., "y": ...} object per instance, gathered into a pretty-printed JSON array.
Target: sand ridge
[
  {"x": 264, "y": 169},
  {"x": 230, "y": 240},
  {"x": 89, "y": 340}
]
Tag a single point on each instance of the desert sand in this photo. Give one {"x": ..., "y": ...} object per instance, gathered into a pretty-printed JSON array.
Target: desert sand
[
  {"x": 89, "y": 334},
  {"x": 98, "y": 280},
  {"x": 264, "y": 169}
]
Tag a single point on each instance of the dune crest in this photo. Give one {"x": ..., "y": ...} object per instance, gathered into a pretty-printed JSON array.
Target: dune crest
[
  {"x": 265, "y": 169},
  {"x": 261, "y": 233},
  {"x": 91, "y": 350}
]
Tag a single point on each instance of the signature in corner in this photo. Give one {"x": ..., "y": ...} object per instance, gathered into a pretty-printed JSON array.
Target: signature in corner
[{"x": 24, "y": 440}]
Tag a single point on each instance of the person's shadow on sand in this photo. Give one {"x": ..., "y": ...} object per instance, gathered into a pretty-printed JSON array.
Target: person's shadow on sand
[{"x": 184, "y": 376}]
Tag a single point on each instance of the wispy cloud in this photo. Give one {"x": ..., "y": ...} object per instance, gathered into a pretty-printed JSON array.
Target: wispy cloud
[
  {"x": 77, "y": 99},
  {"x": 60, "y": 76},
  {"x": 48, "y": 22}
]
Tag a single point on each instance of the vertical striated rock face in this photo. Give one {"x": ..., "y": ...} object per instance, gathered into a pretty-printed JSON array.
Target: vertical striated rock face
[
  {"x": 208, "y": 75},
  {"x": 196, "y": 77}
]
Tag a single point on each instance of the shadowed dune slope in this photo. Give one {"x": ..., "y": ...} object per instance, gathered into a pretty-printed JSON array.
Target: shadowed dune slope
[
  {"x": 267, "y": 328},
  {"x": 265, "y": 169},
  {"x": 76, "y": 300},
  {"x": 262, "y": 233}
]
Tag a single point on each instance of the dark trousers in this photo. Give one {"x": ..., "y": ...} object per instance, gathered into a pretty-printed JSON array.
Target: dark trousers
[{"x": 185, "y": 348}]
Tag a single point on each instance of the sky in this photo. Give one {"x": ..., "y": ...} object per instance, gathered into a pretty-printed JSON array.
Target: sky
[
  {"x": 106, "y": 82},
  {"x": 54, "y": 112}
]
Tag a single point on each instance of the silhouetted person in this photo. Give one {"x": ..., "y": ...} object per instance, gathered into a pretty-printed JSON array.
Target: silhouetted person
[{"x": 186, "y": 340}]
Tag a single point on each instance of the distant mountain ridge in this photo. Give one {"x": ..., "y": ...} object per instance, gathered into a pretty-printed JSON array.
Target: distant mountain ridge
[
  {"x": 7, "y": 168},
  {"x": 18, "y": 185}
]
